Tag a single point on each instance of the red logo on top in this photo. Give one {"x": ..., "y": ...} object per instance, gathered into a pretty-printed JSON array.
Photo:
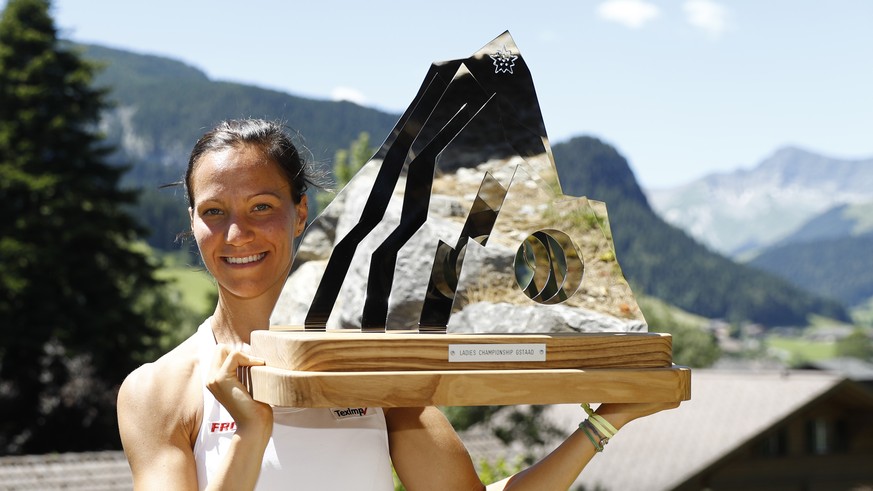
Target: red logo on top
[{"x": 222, "y": 427}]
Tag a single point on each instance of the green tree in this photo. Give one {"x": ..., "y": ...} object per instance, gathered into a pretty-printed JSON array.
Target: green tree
[
  {"x": 858, "y": 344},
  {"x": 349, "y": 161},
  {"x": 693, "y": 346},
  {"x": 346, "y": 163},
  {"x": 510, "y": 424},
  {"x": 79, "y": 304}
]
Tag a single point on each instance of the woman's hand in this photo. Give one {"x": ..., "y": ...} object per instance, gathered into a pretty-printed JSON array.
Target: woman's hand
[
  {"x": 224, "y": 383},
  {"x": 254, "y": 420}
]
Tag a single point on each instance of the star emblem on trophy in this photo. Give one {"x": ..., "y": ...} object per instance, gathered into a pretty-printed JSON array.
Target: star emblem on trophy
[{"x": 504, "y": 60}]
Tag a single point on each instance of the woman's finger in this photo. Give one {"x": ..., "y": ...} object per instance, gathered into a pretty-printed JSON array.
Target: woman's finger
[
  {"x": 227, "y": 365},
  {"x": 228, "y": 381},
  {"x": 227, "y": 359}
]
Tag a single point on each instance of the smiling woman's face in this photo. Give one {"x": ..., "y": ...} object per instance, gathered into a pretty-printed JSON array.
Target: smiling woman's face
[{"x": 244, "y": 220}]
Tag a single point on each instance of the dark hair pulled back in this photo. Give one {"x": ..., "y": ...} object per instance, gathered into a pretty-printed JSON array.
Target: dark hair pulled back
[{"x": 269, "y": 136}]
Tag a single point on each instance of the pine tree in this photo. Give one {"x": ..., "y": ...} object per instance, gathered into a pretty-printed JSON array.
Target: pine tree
[
  {"x": 346, "y": 163},
  {"x": 78, "y": 304}
]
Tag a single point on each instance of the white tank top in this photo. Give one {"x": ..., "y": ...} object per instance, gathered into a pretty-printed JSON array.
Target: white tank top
[{"x": 310, "y": 449}]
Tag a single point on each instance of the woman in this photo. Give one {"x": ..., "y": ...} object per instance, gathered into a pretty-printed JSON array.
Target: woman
[{"x": 186, "y": 422}]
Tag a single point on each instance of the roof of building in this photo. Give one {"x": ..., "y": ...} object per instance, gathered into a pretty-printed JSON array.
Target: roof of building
[
  {"x": 659, "y": 452},
  {"x": 852, "y": 368},
  {"x": 98, "y": 471}
]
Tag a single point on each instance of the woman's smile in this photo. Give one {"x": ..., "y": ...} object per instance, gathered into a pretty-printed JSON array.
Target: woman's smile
[{"x": 242, "y": 260}]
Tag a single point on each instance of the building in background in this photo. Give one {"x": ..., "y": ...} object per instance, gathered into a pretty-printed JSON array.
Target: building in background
[{"x": 801, "y": 430}]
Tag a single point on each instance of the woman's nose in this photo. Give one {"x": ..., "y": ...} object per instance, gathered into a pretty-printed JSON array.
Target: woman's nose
[{"x": 239, "y": 232}]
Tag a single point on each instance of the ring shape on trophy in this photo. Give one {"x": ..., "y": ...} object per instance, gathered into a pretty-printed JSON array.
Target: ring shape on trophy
[{"x": 452, "y": 270}]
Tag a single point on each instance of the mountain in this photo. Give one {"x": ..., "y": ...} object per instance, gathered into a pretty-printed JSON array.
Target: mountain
[
  {"x": 662, "y": 261},
  {"x": 839, "y": 268},
  {"x": 162, "y": 106},
  {"x": 831, "y": 254},
  {"x": 841, "y": 221},
  {"x": 744, "y": 211}
]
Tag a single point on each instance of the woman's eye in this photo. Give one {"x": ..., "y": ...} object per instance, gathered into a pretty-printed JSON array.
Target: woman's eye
[
  {"x": 262, "y": 207},
  {"x": 211, "y": 212}
]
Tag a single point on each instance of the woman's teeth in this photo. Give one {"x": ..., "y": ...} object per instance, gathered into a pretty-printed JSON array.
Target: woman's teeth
[{"x": 245, "y": 260}]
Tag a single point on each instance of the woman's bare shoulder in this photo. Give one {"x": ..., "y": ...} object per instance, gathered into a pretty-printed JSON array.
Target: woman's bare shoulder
[
  {"x": 165, "y": 394},
  {"x": 174, "y": 370}
]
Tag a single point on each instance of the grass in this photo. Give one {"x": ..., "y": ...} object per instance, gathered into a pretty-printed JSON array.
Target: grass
[
  {"x": 798, "y": 350},
  {"x": 816, "y": 321},
  {"x": 863, "y": 314},
  {"x": 663, "y": 315},
  {"x": 194, "y": 284}
]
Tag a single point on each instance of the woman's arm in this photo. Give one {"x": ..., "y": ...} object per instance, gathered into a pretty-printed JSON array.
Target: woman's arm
[
  {"x": 158, "y": 408},
  {"x": 155, "y": 432},
  {"x": 560, "y": 468},
  {"x": 428, "y": 454},
  {"x": 254, "y": 420}
]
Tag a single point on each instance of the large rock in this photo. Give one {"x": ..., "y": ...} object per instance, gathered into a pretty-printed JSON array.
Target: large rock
[
  {"x": 507, "y": 318},
  {"x": 297, "y": 294},
  {"x": 487, "y": 298}
]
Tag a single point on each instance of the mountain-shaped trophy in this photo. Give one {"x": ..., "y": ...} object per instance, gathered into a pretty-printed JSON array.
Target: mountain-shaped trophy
[{"x": 452, "y": 270}]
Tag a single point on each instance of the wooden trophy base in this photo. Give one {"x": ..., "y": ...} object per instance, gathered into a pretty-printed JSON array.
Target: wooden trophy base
[{"x": 354, "y": 369}]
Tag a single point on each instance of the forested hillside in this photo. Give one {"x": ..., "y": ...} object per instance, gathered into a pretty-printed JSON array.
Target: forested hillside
[
  {"x": 661, "y": 260},
  {"x": 845, "y": 220},
  {"x": 831, "y": 254},
  {"x": 161, "y": 106},
  {"x": 840, "y": 268}
]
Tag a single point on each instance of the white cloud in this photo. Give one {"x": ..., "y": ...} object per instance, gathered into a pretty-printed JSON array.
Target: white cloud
[
  {"x": 706, "y": 15},
  {"x": 629, "y": 13},
  {"x": 348, "y": 94}
]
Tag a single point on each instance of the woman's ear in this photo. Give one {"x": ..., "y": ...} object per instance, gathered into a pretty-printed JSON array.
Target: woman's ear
[{"x": 302, "y": 213}]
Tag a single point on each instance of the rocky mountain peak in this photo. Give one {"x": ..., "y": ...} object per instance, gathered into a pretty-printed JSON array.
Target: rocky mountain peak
[
  {"x": 797, "y": 166},
  {"x": 748, "y": 209}
]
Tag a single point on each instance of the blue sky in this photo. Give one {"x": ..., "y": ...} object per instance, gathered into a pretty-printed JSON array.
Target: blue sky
[{"x": 681, "y": 88}]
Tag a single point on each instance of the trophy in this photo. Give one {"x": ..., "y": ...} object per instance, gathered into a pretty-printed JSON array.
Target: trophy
[{"x": 452, "y": 270}]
